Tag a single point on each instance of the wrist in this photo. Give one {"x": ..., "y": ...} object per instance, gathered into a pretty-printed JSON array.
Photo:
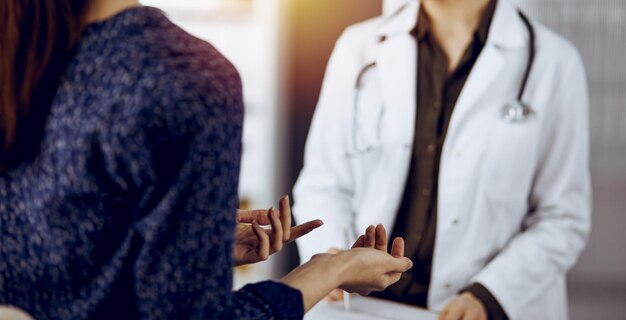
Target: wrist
[
  {"x": 343, "y": 265},
  {"x": 340, "y": 262}
]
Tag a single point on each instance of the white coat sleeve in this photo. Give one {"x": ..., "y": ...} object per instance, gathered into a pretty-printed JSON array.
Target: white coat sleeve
[
  {"x": 556, "y": 231},
  {"x": 324, "y": 188}
]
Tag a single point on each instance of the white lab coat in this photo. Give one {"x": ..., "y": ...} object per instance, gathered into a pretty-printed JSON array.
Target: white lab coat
[{"x": 514, "y": 199}]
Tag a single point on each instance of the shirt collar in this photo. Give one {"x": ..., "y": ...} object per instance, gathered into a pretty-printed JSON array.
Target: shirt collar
[
  {"x": 506, "y": 31},
  {"x": 424, "y": 25}
]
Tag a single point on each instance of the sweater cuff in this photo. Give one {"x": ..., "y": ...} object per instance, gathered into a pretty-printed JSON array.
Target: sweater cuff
[
  {"x": 285, "y": 302},
  {"x": 493, "y": 307}
]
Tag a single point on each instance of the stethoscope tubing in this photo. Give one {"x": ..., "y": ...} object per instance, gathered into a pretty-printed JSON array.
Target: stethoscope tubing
[{"x": 532, "y": 50}]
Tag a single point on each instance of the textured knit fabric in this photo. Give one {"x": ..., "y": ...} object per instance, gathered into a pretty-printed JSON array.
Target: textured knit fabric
[{"x": 128, "y": 210}]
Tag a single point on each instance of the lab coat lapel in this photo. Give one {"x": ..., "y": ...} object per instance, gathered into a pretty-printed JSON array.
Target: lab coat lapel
[
  {"x": 484, "y": 72},
  {"x": 505, "y": 33},
  {"x": 396, "y": 59},
  {"x": 395, "y": 55},
  {"x": 397, "y": 67}
]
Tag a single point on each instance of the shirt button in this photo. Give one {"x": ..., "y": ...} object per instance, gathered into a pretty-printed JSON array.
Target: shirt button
[
  {"x": 431, "y": 148},
  {"x": 437, "y": 104},
  {"x": 426, "y": 192}
]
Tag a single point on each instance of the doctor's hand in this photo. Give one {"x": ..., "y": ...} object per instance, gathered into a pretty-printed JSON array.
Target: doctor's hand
[
  {"x": 254, "y": 243},
  {"x": 464, "y": 307},
  {"x": 374, "y": 238}
]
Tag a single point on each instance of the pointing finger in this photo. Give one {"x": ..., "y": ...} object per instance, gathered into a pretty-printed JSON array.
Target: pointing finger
[{"x": 304, "y": 229}]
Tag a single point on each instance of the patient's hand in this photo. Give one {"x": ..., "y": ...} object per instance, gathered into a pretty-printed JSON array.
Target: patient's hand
[
  {"x": 253, "y": 243},
  {"x": 375, "y": 238}
]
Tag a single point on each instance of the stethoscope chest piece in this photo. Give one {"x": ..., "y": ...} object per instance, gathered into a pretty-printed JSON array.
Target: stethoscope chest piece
[{"x": 516, "y": 112}]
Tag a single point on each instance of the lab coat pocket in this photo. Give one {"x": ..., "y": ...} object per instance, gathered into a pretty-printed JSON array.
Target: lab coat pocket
[
  {"x": 506, "y": 212},
  {"x": 367, "y": 129},
  {"x": 379, "y": 174},
  {"x": 368, "y": 115},
  {"x": 512, "y": 156}
]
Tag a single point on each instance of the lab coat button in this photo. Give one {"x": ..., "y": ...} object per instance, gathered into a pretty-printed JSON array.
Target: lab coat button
[
  {"x": 455, "y": 221},
  {"x": 447, "y": 286}
]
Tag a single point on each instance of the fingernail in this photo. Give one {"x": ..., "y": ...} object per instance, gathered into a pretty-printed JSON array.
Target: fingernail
[{"x": 410, "y": 263}]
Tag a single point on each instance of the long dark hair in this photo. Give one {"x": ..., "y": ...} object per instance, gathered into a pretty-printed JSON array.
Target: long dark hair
[{"x": 36, "y": 38}]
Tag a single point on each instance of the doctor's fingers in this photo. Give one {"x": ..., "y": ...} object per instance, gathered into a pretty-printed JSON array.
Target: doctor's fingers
[
  {"x": 397, "y": 247},
  {"x": 472, "y": 314},
  {"x": 285, "y": 217},
  {"x": 334, "y": 296},
  {"x": 381, "y": 238},
  {"x": 453, "y": 311}
]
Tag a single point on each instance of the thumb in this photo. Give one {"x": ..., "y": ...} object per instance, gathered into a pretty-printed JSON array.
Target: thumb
[
  {"x": 400, "y": 265},
  {"x": 397, "y": 248}
]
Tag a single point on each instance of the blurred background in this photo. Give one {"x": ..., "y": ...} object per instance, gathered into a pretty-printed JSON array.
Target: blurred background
[{"x": 281, "y": 48}]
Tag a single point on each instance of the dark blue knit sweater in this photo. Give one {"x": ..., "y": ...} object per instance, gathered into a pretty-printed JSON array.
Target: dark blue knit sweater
[{"x": 128, "y": 210}]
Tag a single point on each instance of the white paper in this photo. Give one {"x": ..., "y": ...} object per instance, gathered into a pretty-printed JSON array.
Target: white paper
[{"x": 363, "y": 308}]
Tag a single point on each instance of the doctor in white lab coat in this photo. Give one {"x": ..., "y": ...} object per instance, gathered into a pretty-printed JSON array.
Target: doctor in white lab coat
[{"x": 514, "y": 198}]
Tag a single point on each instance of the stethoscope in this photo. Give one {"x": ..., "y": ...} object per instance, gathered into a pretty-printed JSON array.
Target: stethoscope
[{"x": 516, "y": 111}]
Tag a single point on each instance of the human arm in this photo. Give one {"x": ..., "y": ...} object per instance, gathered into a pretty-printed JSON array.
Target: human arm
[
  {"x": 175, "y": 155},
  {"x": 181, "y": 166}
]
